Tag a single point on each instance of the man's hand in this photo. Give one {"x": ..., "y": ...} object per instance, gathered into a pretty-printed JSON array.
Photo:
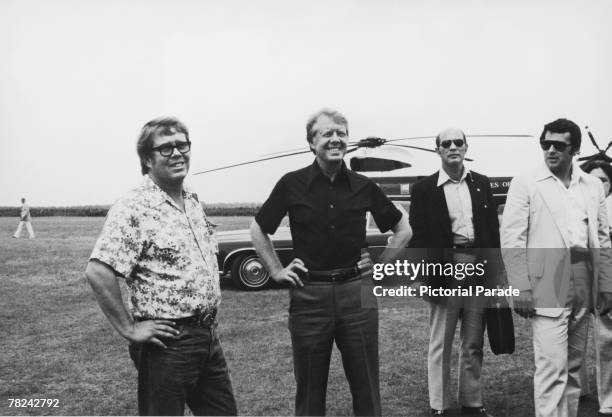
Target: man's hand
[
  {"x": 149, "y": 331},
  {"x": 288, "y": 274},
  {"x": 579, "y": 303},
  {"x": 523, "y": 304},
  {"x": 365, "y": 264},
  {"x": 604, "y": 304}
]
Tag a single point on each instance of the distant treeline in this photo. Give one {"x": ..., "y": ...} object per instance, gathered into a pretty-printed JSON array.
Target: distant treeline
[{"x": 217, "y": 209}]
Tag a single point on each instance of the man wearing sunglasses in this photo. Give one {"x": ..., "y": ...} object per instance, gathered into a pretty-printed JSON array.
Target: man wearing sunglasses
[
  {"x": 158, "y": 239},
  {"x": 555, "y": 241},
  {"x": 453, "y": 215}
]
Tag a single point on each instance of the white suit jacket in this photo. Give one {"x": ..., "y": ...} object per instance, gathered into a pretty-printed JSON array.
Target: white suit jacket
[{"x": 535, "y": 242}]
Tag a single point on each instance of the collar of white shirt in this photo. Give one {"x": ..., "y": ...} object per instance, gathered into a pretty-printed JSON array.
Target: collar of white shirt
[
  {"x": 544, "y": 172},
  {"x": 443, "y": 177}
]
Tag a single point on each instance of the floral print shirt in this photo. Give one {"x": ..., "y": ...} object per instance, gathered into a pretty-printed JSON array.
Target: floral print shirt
[{"x": 167, "y": 257}]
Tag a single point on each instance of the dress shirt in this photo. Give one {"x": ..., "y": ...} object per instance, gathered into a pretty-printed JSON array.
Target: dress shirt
[
  {"x": 166, "y": 255},
  {"x": 327, "y": 218},
  {"x": 576, "y": 212},
  {"x": 459, "y": 203}
]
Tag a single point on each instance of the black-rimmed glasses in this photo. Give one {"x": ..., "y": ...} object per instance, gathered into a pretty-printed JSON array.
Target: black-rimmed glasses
[
  {"x": 447, "y": 143},
  {"x": 559, "y": 146},
  {"x": 168, "y": 148}
]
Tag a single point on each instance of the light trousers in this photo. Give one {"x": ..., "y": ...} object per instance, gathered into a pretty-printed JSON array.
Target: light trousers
[
  {"x": 28, "y": 225},
  {"x": 443, "y": 320},
  {"x": 603, "y": 361},
  {"x": 559, "y": 350}
]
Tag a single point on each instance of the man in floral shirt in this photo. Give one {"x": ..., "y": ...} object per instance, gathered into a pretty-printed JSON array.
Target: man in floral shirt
[{"x": 158, "y": 239}]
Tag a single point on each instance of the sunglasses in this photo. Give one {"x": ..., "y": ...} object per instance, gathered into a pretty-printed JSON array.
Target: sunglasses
[
  {"x": 559, "y": 146},
  {"x": 168, "y": 148},
  {"x": 447, "y": 143}
]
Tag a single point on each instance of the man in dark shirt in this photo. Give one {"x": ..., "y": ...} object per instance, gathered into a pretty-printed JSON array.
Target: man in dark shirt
[{"x": 327, "y": 205}]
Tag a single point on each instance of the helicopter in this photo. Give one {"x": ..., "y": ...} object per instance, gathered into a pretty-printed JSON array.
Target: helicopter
[
  {"x": 393, "y": 166},
  {"x": 601, "y": 153}
]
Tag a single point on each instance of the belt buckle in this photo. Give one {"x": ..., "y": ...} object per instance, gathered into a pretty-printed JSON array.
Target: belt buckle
[{"x": 205, "y": 319}]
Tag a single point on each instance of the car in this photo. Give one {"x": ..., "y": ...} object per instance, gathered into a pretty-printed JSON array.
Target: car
[{"x": 239, "y": 262}]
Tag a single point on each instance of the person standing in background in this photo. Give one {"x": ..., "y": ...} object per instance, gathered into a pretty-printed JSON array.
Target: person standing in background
[{"x": 24, "y": 219}]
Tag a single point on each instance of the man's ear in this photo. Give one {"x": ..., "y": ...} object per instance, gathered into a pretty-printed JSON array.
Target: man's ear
[
  {"x": 148, "y": 162},
  {"x": 311, "y": 146}
]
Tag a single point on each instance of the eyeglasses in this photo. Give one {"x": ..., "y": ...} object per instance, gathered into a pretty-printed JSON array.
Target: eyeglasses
[
  {"x": 447, "y": 143},
  {"x": 330, "y": 133},
  {"x": 559, "y": 146},
  {"x": 167, "y": 149}
]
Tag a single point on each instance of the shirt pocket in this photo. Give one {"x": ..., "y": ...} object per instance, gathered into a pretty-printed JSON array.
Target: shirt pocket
[{"x": 352, "y": 217}]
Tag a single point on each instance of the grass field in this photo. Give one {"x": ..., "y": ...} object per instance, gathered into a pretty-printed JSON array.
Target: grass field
[{"x": 55, "y": 342}]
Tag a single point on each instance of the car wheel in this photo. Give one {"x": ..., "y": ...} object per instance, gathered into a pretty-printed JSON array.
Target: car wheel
[{"x": 249, "y": 273}]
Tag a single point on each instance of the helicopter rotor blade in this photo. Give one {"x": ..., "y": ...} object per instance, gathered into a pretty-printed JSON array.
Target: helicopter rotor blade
[
  {"x": 385, "y": 141},
  {"x": 469, "y": 136},
  {"x": 608, "y": 147},
  {"x": 596, "y": 157},
  {"x": 251, "y": 162},
  {"x": 592, "y": 138},
  {"x": 303, "y": 148},
  {"x": 499, "y": 136},
  {"x": 424, "y": 149}
]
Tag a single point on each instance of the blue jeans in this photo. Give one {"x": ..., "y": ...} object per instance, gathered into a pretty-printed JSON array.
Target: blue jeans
[{"x": 191, "y": 370}]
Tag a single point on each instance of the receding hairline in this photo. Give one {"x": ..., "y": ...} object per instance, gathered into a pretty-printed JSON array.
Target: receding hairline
[{"x": 451, "y": 129}]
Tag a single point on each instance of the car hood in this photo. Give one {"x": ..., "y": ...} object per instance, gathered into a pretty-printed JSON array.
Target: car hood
[
  {"x": 245, "y": 235},
  {"x": 282, "y": 232}
]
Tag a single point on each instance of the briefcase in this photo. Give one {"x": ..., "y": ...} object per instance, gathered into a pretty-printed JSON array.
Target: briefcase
[{"x": 500, "y": 327}]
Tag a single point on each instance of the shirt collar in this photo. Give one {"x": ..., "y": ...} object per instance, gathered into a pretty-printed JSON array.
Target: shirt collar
[
  {"x": 156, "y": 196},
  {"x": 543, "y": 172},
  {"x": 315, "y": 172},
  {"x": 443, "y": 177}
]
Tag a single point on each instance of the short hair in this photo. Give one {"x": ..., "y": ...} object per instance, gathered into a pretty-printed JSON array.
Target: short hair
[
  {"x": 335, "y": 115},
  {"x": 165, "y": 126},
  {"x": 564, "y": 126},
  {"x": 23, "y": 199},
  {"x": 598, "y": 163},
  {"x": 438, "y": 138}
]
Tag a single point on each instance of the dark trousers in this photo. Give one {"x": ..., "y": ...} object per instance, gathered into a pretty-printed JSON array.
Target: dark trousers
[
  {"x": 191, "y": 370},
  {"x": 346, "y": 312}
]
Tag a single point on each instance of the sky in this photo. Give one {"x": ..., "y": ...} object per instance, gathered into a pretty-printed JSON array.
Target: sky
[{"x": 78, "y": 79}]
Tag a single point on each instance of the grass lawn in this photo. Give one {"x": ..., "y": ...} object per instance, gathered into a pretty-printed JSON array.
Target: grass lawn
[{"x": 55, "y": 342}]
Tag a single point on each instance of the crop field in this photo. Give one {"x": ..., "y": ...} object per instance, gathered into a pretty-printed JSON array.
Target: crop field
[{"x": 55, "y": 343}]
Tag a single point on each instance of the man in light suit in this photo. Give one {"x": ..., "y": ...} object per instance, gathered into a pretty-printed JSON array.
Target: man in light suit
[
  {"x": 554, "y": 231},
  {"x": 452, "y": 214}
]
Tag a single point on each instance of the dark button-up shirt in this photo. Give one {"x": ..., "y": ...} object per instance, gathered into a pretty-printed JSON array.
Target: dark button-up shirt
[{"x": 327, "y": 219}]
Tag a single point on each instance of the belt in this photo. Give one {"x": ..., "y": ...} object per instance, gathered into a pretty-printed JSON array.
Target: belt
[
  {"x": 331, "y": 275},
  {"x": 464, "y": 246},
  {"x": 203, "y": 319}
]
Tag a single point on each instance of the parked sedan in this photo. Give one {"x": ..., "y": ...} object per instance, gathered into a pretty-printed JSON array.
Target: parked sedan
[{"x": 238, "y": 260}]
